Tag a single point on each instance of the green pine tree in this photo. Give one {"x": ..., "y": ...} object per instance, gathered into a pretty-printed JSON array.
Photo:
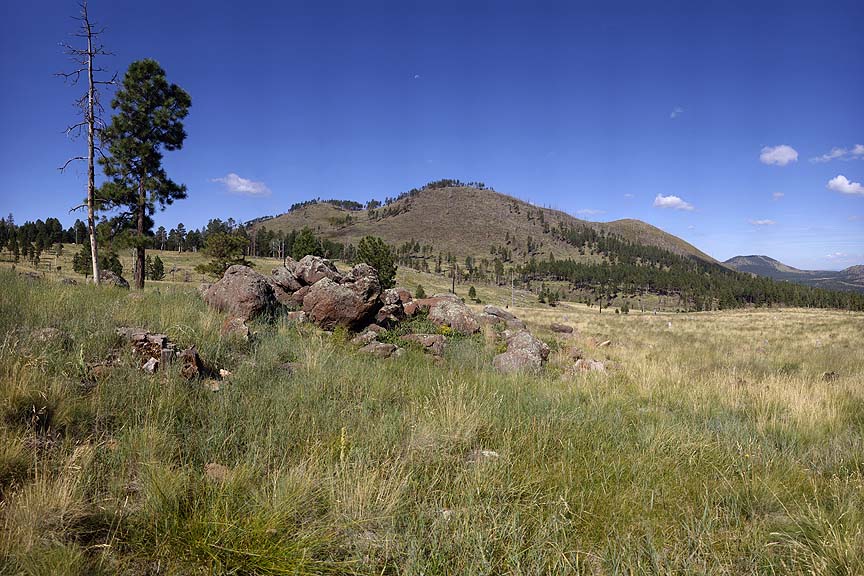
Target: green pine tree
[{"x": 375, "y": 252}]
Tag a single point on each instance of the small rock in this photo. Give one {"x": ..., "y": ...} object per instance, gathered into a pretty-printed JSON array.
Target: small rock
[
  {"x": 498, "y": 313},
  {"x": 375, "y": 328},
  {"x": 379, "y": 349},
  {"x": 432, "y": 343},
  {"x": 235, "y": 327},
  {"x": 561, "y": 328},
  {"x": 365, "y": 338},
  {"x": 193, "y": 366},
  {"x": 583, "y": 365},
  {"x": 217, "y": 472},
  {"x": 298, "y": 317},
  {"x": 69, "y": 281},
  {"x": 478, "y": 455},
  {"x": 223, "y": 373},
  {"x": 151, "y": 366}
]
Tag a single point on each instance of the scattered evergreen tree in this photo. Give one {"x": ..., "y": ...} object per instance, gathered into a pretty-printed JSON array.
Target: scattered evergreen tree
[
  {"x": 472, "y": 293},
  {"x": 225, "y": 250},
  {"x": 375, "y": 252},
  {"x": 148, "y": 119},
  {"x": 306, "y": 243},
  {"x": 419, "y": 292},
  {"x": 108, "y": 260},
  {"x": 155, "y": 268}
]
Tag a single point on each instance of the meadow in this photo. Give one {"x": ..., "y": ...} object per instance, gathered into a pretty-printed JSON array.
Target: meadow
[{"x": 717, "y": 443}]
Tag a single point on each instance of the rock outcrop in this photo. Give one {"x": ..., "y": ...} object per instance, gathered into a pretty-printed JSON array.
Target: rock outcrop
[
  {"x": 525, "y": 353},
  {"x": 241, "y": 292},
  {"x": 311, "y": 269},
  {"x": 455, "y": 314},
  {"x": 352, "y": 303}
]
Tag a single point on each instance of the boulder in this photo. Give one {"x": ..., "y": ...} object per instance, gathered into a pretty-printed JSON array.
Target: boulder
[
  {"x": 379, "y": 349},
  {"x": 410, "y": 308},
  {"x": 525, "y": 353},
  {"x": 235, "y": 327},
  {"x": 351, "y": 303},
  {"x": 389, "y": 314},
  {"x": 498, "y": 313},
  {"x": 284, "y": 277},
  {"x": 151, "y": 366},
  {"x": 310, "y": 269},
  {"x": 299, "y": 295},
  {"x": 456, "y": 315},
  {"x": 404, "y": 294},
  {"x": 432, "y": 343},
  {"x": 242, "y": 292},
  {"x": 447, "y": 296},
  {"x": 561, "y": 328},
  {"x": 109, "y": 278},
  {"x": 203, "y": 287}
]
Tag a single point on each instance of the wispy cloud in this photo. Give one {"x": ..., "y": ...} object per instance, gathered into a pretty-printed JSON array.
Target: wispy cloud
[
  {"x": 856, "y": 218},
  {"x": 837, "y": 256},
  {"x": 672, "y": 202},
  {"x": 843, "y": 185},
  {"x": 235, "y": 184},
  {"x": 856, "y": 151},
  {"x": 628, "y": 195},
  {"x": 777, "y": 195},
  {"x": 778, "y": 155},
  {"x": 677, "y": 111},
  {"x": 590, "y": 212},
  {"x": 764, "y": 222}
]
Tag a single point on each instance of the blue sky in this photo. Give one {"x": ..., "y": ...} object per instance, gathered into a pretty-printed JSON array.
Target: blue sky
[{"x": 731, "y": 124}]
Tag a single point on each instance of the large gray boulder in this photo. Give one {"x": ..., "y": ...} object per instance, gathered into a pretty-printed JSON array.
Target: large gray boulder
[
  {"x": 455, "y": 314},
  {"x": 311, "y": 269},
  {"x": 351, "y": 304},
  {"x": 109, "y": 278},
  {"x": 242, "y": 292},
  {"x": 525, "y": 353}
]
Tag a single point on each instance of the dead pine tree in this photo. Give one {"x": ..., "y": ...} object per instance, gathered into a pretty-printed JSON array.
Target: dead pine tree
[{"x": 91, "y": 113}]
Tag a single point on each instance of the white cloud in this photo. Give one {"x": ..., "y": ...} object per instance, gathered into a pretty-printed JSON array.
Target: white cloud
[
  {"x": 765, "y": 222},
  {"x": 777, "y": 195},
  {"x": 842, "y": 184},
  {"x": 628, "y": 196},
  {"x": 235, "y": 184},
  {"x": 673, "y": 202},
  {"x": 589, "y": 212},
  {"x": 778, "y": 155},
  {"x": 677, "y": 111},
  {"x": 836, "y": 256},
  {"x": 857, "y": 151}
]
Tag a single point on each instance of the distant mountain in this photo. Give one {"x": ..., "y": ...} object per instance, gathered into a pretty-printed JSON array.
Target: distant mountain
[
  {"x": 851, "y": 279},
  {"x": 467, "y": 221}
]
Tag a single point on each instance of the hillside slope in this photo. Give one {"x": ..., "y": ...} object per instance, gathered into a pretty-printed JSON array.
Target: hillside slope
[
  {"x": 850, "y": 279},
  {"x": 467, "y": 221}
]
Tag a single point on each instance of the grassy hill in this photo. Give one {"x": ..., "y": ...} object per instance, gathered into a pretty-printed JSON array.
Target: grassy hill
[
  {"x": 468, "y": 221},
  {"x": 850, "y": 279},
  {"x": 714, "y": 445}
]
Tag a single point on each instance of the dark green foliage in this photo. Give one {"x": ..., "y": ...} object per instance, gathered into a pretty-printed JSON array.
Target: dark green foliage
[
  {"x": 225, "y": 250},
  {"x": 148, "y": 119},
  {"x": 108, "y": 260},
  {"x": 306, "y": 243},
  {"x": 420, "y": 292},
  {"x": 375, "y": 252},
  {"x": 472, "y": 293},
  {"x": 155, "y": 268}
]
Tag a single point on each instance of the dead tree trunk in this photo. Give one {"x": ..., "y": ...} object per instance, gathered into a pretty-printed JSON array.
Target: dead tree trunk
[{"x": 91, "y": 109}]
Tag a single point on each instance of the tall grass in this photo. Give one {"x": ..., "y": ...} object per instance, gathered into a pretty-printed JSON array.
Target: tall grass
[{"x": 703, "y": 450}]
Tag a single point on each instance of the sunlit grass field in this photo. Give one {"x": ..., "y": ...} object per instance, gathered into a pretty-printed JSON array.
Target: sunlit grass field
[{"x": 715, "y": 444}]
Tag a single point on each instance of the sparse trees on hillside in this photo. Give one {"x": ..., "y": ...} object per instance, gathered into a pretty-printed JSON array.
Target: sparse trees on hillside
[{"x": 148, "y": 120}]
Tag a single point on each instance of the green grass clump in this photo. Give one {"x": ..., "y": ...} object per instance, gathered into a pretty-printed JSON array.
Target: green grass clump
[{"x": 701, "y": 450}]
